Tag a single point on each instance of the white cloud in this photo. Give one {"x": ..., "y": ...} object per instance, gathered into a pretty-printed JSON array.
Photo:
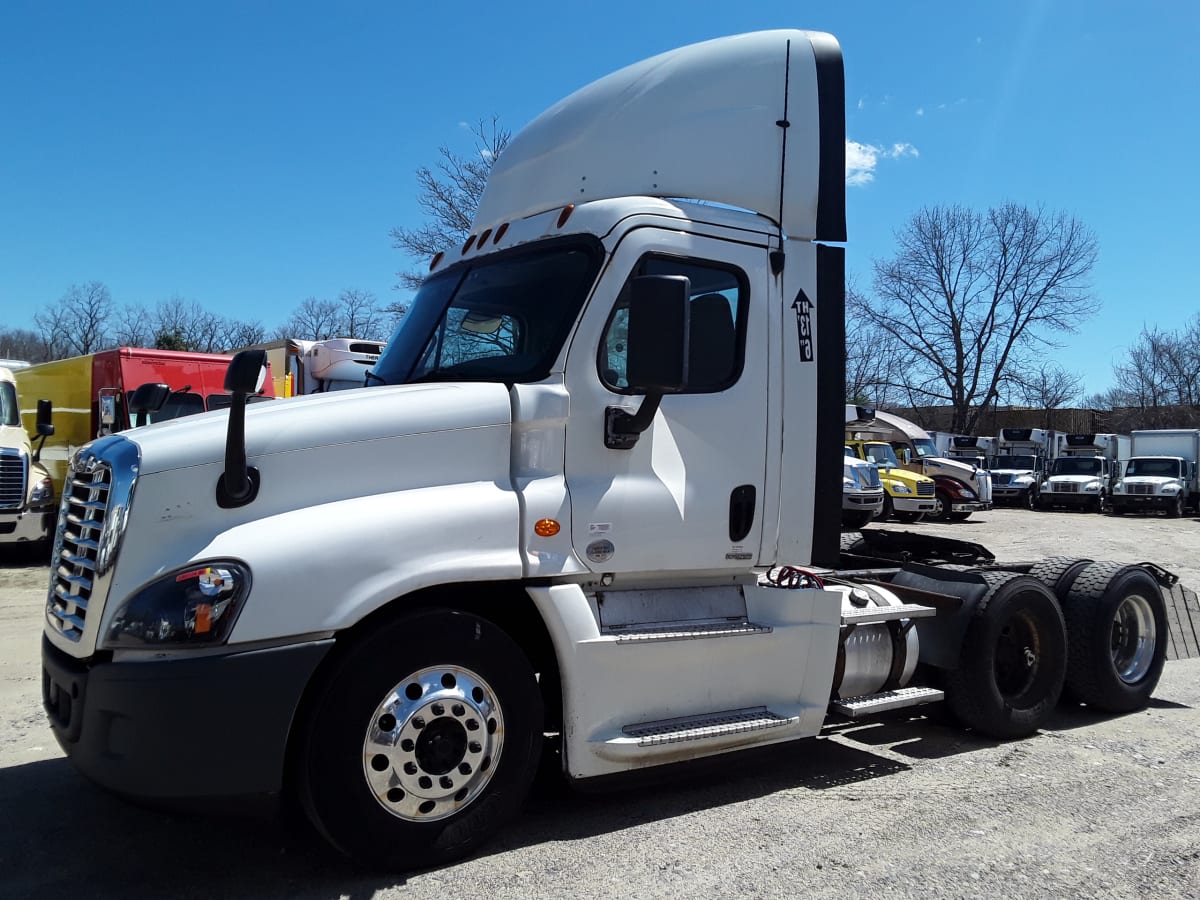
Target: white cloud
[
  {"x": 862, "y": 159},
  {"x": 920, "y": 110},
  {"x": 861, "y": 103}
]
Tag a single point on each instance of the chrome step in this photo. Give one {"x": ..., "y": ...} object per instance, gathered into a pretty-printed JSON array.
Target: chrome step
[
  {"x": 695, "y": 728},
  {"x": 684, "y": 631},
  {"x": 869, "y": 704},
  {"x": 869, "y": 614}
]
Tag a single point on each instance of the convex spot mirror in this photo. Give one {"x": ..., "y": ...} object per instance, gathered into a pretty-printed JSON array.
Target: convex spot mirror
[
  {"x": 247, "y": 372},
  {"x": 659, "y": 326}
]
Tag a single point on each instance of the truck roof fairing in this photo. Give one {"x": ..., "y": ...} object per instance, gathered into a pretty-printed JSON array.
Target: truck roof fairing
[{"x": 646, "y": 130}]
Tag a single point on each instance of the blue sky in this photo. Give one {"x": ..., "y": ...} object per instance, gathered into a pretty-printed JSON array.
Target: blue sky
[{"x": 248, "y": 155}]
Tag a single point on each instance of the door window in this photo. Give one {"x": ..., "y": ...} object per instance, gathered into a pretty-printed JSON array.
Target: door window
[{"x": 718, "y": 296}]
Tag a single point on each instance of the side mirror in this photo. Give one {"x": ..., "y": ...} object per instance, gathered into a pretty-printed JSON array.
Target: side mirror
[
  {"x": 45, "y": 412},
  {"x": 108, "y": 412},
  {"x": 659, "y": 319},
  {"x": 148, "y": 398},
  {"x": 238, "y": 484},
  {"x": 656, "y": 360},
  {"x": 904, "y": 457}
]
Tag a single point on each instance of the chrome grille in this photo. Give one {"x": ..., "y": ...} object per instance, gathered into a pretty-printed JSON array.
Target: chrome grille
[
  {"x": 14, "y": 471},
  {"x": 925, "y": 489},
  {"x": 1136, "y": 488},
  {"x": 1064, "y": 487},
  {"x": 1003, "y": 478},
  {"x": 91, "y": 521}
]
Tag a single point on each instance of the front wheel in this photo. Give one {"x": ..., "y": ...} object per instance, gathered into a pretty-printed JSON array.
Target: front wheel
[
  {"x": 1175, "y": 509},
  {"x": 910, "y": 518},
  {"x": 422, "y": 741}
]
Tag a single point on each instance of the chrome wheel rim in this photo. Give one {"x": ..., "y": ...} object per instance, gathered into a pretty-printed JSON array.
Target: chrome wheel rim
[
  {"x": 433, "y": 743},
  {"x": 1134, "y": 638}
]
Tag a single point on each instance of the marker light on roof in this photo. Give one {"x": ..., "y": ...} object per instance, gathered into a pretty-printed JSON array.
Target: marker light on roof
[
  {"x": 487, "y": 233},
  {"x": 500, "y": 233},
  {"x": 565, "y": 214},
  {"x": 437, "y": 258},
  {"x": 467, "y": 245}
]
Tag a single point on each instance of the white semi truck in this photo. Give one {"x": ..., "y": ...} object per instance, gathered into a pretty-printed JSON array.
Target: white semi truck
[
  {"x": 27, "y": 499},
  {"x": 560, "y": 508},
  {"x": 1083, "y": 473},
  {"x": 1161, "y": 473},
  {"x": 1019, "y": 464}
]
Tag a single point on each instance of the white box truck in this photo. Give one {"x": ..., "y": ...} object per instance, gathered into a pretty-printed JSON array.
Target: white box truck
[
  {"x": 591, "y": 495},
  {"x": 1019, "y": 464},
  {"x": 27, "y": 499},
  {"x": 1083, "y": 474},
  {"x": 1161, "y": 473}
]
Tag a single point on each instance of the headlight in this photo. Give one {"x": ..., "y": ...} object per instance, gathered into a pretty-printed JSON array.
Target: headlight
[
  {"x": 1119, "y": 487},
  {"x": 1092, "y": 487},
  {"x": 967, "y": 493},
  {"x": 194, "y": 606},
  {"x": 901, "y": 489},
  {"x": 1170, "y": 489},
  {"x": 1024, "y": 480},
  {"x": 847, "y": 485},
  {"x": 42, "y": 493}
]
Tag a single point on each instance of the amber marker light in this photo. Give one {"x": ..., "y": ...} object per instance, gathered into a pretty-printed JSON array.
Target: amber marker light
[
  {"x": 437, "y": 258},
  {"x": 468, "y": 244},
  {"x": 546, "y": 528},
  {"x": 500, "y": 233},
  {"x": 565, "y": 214}
]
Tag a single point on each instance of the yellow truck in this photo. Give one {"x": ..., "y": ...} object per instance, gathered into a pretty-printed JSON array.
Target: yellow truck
[{"x": 907, "y": 495}]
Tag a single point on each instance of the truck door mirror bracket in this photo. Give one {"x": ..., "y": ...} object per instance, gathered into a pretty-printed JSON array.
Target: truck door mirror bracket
[
  {"x": 622, "y": 428},
  {"x": 238, "y": 485}
]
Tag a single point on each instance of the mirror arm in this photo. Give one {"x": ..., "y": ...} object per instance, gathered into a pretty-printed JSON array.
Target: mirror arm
[
  {"x": 621, "y": 429},
  {"x": 239, "y": 484}
]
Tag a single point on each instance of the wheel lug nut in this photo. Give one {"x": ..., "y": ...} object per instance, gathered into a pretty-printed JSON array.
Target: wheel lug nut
[
  {"x": 464, "y": 768},
  {"x": 418, "y": 722},
  {"x": 425, "y": 781},
  {"x": 410, "y": 768},
  {"x": 446, "y": 782},
  {"x": 407, "y": 745},
  {"x": 472, "y": 724},
  {"x": 437, "y": 709},
  {"x": 475, "y": 747},
  {"x": 457, "y": 709}
]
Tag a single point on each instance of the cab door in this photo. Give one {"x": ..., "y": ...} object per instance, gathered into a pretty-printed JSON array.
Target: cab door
[{"x": 688, "y": 496}]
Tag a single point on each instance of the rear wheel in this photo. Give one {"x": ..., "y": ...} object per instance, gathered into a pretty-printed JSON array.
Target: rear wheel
[
  {"x": 1058, "y": 573},
  {"x": 1012, "y": 661},
  {"x": 422, "y": 741},
  {"x": 1117, "y": 625}
]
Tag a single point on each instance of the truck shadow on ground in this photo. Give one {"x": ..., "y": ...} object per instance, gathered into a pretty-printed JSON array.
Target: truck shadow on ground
[{"x": 65, "y": 836}]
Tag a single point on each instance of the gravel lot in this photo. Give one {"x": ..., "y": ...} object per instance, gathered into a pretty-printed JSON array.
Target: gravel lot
[{"x": 1092, "y": 806}]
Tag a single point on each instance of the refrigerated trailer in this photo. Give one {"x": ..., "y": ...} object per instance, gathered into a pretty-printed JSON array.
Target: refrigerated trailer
[
  {"x": 1161, "y": 473},
  {"x": 591, "y": 493}
]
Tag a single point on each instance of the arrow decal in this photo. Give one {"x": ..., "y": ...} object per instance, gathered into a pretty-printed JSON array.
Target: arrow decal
[{"x": 803, "y": 307}]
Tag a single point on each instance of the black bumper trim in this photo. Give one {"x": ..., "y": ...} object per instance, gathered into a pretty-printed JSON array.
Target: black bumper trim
[{"x": 180, "y": 729}]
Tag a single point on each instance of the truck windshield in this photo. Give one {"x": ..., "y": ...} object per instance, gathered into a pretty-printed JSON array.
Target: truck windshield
[
  {"x": 925, "y": 447},
  {"x": 1076, "y": 465},
  {"x": 1168, "y": 468},
  {"x": 882, "y": 455},
  {"x": 501, "y": 318},
  {"x": 9, "y": 413},
  {"x": 1008, "y": 461}
]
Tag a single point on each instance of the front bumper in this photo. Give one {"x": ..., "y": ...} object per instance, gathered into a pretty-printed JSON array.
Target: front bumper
[
  {"x": 969, "y": 506},
  {"x": 29, "y": 525},
  {"x": 192, "y": 729},
  {"x": 1050, "y": 498},
  {"x": 1143, "y": 501},
  {"x": 913, "y": 504}
]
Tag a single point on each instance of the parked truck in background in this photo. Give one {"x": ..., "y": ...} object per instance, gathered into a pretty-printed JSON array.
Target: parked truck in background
[
  {"x": 1160, "y": 474},
  {"x": 908, "y": 497},
  {"x": 1083, "y": 473},
  {"x": 91, "y": 393},
  {"x": 862, "y": 492},
  {"x": 560, "y": 508},
  {"x": 27, "y": 497},
  {"x": 317, "y": 367},
  {"x": 969, "y": 448},
  {"x": 961, "y": 487},
  {"x": 1019, "y": 464}
]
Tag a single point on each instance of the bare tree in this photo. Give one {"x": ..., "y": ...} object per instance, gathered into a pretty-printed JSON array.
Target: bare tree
[
  {"x": 449, "y": 194},
  {"x": 360, "y": 315},
  {"x": 314, "y": 320},
  {"x": 195, "y": 327},
  {"x": 133, "y": 327},
  {"x": 1046, "y": 387},
  {"x": 21, "y": 343},
  {"x": 1157, "y": 385},
  {"x": 874, "y": 359},
  {"x": 236, "y": 333},
  {"x": 967, "y": 290},
  {"x": 78, "y": 322}
]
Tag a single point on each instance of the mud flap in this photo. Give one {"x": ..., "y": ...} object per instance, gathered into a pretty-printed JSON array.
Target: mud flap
[{"x": 1183, "y": 619}]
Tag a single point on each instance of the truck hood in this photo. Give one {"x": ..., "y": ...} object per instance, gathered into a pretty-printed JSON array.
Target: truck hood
[
  {"x": 14, "y": 436},
  {"x": 323, "y": 420}
]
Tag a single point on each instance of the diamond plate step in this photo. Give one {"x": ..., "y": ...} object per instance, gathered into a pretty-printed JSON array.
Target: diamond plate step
[
  {"x": 869, "y": 704},
  {"x": 869, "y": 614},
  {"x": 694, "y": 728},
  {"x": 687, "y": 632}
]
